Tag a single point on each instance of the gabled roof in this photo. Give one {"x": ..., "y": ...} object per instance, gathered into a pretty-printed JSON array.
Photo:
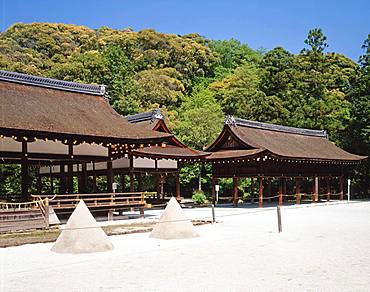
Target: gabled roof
[
  {"x": 153, "y": 120},
  {"x": 282, "y": 141},
  {"x": 55, "y": 108}
]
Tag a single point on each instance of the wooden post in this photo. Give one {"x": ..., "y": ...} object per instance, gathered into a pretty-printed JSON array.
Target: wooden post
[
  {"x": 162, "y": 185},
  {"x": 235, "y": 191},
  {"x": 213, "y": 190},
  {"x": 260, "y": 193},
  {"x": 341, "y": 179},
  {"x": 142, "y": 212},
  {"x": 84, "y": 178},
  {"x": 178, "y": 189},
  {"x": 62, "y": 178},
  {"x": 70, "y": 169},
  {"x": 110, "y": 176},
  {"x": 280, "y": 192},
  {"x": 132, "y": 186},
  {"x": 252, "y": 189},
  {"x": 24, "y": 173},
  {"x": 327, "y": 189},
  {"x": 279, "y": 219},
  {"x": 110, "y": 215},
  {"x": 47, "y": 211},
  {"x": 284, "y": 189},
  {"x": 158, "y": 184},
  {"x": 316, "y": 196},
  {"x": 95, "y": 188},
  {"x": 298, "y": 190},
  {"x": 51, "y": 179},
  {"x": 269, "y": 188}
]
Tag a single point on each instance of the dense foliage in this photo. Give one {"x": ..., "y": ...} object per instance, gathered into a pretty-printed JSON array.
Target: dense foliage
[{"x": 197, "y": 81}]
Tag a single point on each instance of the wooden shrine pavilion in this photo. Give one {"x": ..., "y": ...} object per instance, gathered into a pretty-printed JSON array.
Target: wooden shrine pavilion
[
  {"x": 139, "y": 162},
  {"x": 61, "y": 124},
  {"x": 266, "y": 151}
]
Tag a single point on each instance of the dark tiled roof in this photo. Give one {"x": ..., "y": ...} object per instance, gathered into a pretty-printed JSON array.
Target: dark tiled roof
[
  {"x": 150, "y": 116},
  {"x": 52, "y": 83},
  {"x": 25, "y": 107},
  {"x": 286, "y": 142}
]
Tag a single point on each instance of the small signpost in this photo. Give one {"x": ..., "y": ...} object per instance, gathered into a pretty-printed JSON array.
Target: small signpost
[
  {"x": 349, "y": 190},
  {"x": 217, "y": 189}
]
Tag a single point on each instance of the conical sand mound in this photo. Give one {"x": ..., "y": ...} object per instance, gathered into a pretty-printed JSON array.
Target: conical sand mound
[
  {"x": 82, "y": 234},
  {"x": 173, "y": 224},
  {"x": 53, "y": 218}
]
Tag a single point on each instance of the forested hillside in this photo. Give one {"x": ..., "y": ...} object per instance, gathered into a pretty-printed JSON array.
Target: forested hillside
[{"x": 196, "y": 81}]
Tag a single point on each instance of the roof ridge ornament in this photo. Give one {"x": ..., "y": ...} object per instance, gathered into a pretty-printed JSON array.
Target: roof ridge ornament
[
  {"x": 230, "y": 120},
  {"x": 52, "y": 83},
  {"x": 157, "y": 114}
]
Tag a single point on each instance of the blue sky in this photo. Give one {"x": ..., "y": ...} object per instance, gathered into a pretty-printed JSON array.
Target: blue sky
[{"x": 260, "y": 24}]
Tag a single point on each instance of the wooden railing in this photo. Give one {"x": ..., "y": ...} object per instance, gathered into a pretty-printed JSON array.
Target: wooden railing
[{"x": 96, "y": 201}]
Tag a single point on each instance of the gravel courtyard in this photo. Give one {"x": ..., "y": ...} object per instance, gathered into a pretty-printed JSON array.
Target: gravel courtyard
[{"x": 321, "y": 248}]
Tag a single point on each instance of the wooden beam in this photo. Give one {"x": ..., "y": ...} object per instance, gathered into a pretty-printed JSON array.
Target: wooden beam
[{"x": 260, "y": 201}]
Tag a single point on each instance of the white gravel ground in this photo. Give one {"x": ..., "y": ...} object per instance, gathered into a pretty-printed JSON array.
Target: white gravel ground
[{"x": 323, "y": 248}]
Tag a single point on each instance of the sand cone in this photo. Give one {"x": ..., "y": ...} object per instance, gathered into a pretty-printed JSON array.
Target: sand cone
[
  {"x": 53, "y": 218},
  {"x": 173, "y": 224},
  {"x": 82, "y": 234}
]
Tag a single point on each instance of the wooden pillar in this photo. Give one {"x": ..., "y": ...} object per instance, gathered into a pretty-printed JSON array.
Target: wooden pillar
[
  {"x": 316, "y": 189},
  {"x": 139, "y": 182},
  {"x": 178, "y": 189},
  {"x": 70, "y": 169},
  {"x": 51, "y": 179},
  {"x": 298, "y": 190},
  {"x": 70, "y": 178},
  {"x": 110, "y": 176},
  {"x": 158, "y": 184},
  {"x": 162, "y": 185},
  {"x": 24, "y": 173},
  {"x": 260, "y": 201},
  {"x": 341, "y": 179},
  {"x": 39, "y": 183},
  {"x": 95, "y": 188},
  {"x": 131, "y": 158},
  {"x": 280, "y": 192},
  {"x": 252, "y": 189},
  {"x": 235, "y": 191},
  {"x": 62, "y": 179},
  {"x": 284, "y": 189},
  {"x": 327, "y": 189},
  {"x": 269, "y": 188},
  {"x": 84, "y": 178}
]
